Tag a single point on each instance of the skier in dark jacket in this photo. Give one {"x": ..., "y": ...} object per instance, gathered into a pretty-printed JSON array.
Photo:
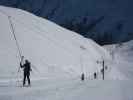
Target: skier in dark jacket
[
  {"x": 95, "y": 75},
  {"x": 26, "y": 68},
  {"x": 82, "y": 77}
]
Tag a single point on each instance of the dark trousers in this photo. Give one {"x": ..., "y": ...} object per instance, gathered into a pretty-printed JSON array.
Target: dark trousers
[{"x": 26, "y": 75}]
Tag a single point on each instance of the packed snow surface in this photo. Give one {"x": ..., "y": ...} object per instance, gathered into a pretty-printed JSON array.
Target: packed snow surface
[{"x": 59, "y": 57}]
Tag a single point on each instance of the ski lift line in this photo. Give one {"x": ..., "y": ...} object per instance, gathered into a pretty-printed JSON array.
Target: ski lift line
[{"x": 13, "y": 33}]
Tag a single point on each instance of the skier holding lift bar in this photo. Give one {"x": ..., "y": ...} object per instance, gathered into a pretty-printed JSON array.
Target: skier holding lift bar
[{"x": 26, "y": 68}]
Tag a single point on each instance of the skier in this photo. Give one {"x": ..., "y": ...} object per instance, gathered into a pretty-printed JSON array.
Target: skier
[
  {"x": 95, "y": 75},
  {"x": 82, "y": 77},
  {"x": 26, "y": 68},
  {"x": 106, "y": 67}
]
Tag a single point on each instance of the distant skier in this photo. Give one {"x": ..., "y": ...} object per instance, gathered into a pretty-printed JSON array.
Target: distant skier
[
  {"x": 106, "y": 67},
  {"x": 26, "y": 68},
  {"x": 95, "y": 75},
  {"x": 82, "y": 77}
]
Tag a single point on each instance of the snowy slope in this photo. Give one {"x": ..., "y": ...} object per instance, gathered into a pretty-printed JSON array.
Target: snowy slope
[
  {"x": 122, "y": 56},
  {"x": 59, "y": 56},
  {"x": 49, "y": 47}
]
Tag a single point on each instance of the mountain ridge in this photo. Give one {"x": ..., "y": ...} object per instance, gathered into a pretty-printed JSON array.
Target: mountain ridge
[{"x": 115, "y": 27}]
